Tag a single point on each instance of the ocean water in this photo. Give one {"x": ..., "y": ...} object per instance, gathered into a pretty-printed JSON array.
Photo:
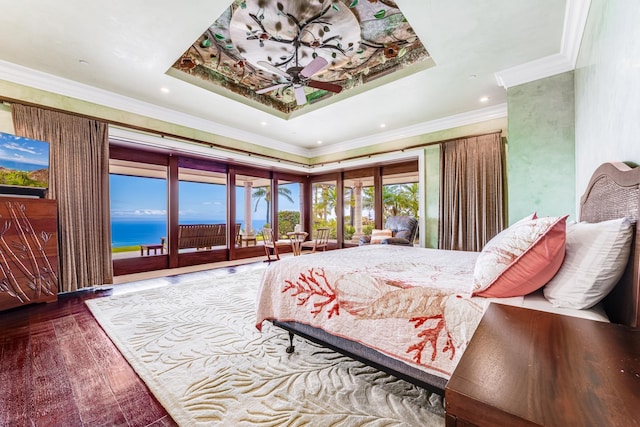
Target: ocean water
[{"x": 136, "y": 232}]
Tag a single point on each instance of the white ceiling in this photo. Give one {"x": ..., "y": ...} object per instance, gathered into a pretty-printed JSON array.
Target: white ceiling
[{"x": 129, "y": 46}]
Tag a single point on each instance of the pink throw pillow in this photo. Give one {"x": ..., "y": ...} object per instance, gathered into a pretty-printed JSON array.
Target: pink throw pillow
[{"x": 521, "y": 258}]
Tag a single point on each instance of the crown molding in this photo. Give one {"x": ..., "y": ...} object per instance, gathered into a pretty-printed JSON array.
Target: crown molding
[
  {"x": 534, "y": 70},
  {"x": 48, "y": 82},
  {"x": 457, "y": 120},
  {"x": 575, "y": 19}
]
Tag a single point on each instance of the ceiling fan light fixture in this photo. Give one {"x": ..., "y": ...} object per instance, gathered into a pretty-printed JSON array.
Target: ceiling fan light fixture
[{"x": 298, "y": 78}]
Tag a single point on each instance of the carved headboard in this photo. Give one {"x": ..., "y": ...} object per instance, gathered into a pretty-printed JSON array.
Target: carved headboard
[{"x": 614, "y": 192}]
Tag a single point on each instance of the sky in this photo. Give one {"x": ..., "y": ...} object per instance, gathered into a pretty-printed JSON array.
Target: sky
[
  {"x": 23, "y": 154},
  {"x": 146, "y": 199}
]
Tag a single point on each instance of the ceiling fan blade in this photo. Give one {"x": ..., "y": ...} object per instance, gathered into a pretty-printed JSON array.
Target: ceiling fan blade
[
  {"x": 275, "y": 70},
  {"x": 313, "y": 67},
  {"x": 325, "y": 86},
  {"x": 301, "y": 98},
  {"x": 270, "y": 88}
]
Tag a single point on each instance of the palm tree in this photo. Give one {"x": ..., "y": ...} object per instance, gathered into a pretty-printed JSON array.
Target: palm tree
[
  {"x": 320, "y": 205},
  {"x": 368, "y": 198},
  {"x": 265, "y": 193},
  {"x": 401, "y": 199},
  {"x": 391, "y": 200},
  {"x": 410, "y": 196},
  {"x": 325, "y": 201}
]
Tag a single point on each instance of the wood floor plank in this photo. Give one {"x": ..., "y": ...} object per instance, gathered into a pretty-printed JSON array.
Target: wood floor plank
[
  {"x": 15, "y": 382},
  {"x": 49, "y": 397},
  {"x": 52, "y": 399},
  {"x": 138, "y": 405},
  {"x": 94, "y": 398}
]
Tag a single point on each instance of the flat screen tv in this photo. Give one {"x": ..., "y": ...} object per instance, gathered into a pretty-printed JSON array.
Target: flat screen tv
[{"x": 24, "y": 166}]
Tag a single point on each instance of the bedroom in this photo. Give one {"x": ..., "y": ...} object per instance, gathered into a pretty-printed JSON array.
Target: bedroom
[{"x": 605, "y": 86}]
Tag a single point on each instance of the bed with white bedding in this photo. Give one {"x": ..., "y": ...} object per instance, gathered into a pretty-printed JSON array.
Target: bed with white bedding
[{"x": 412, "y": 311}]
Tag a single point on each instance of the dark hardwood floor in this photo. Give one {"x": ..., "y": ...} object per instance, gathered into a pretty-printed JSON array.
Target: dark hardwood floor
[{"x": 58, "y": 367}]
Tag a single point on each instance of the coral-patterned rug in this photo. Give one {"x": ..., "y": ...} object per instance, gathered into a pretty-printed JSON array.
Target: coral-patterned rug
[{"x": 196, "y": 347}]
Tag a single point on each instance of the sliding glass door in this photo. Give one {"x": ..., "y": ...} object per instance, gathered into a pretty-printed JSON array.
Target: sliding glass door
[
  {"x": 290, "y": 203},
  {"x": 253, "y": 208},
  {"x": 202, "y": 210},
  {"x": 138, "y": 209},
  {"x": 400, "y": 192},
  {"x": 359, "y": 209},
  {"x": 324, "y": 206}
]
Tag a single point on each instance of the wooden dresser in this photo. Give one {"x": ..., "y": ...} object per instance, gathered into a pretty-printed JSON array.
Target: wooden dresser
[
  {"x": 28, "y": 251},
  {"x": 531, "y": 368}
]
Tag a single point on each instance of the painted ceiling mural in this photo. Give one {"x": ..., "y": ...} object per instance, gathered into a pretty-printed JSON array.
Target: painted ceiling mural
[{"x": 283, "y": 55}]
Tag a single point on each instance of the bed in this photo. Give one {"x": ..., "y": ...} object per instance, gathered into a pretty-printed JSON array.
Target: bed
[{"x": 412, "y": 311}]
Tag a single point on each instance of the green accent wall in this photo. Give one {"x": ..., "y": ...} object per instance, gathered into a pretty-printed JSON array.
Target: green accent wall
[
  {"x": 432, "y": 195},
  {"x": 607, "y": 79},
  {"x": 541, "y": 149}
]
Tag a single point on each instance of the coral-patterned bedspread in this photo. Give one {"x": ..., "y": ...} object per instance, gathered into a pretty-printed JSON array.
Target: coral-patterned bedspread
[{"x": 412, "y": 304}]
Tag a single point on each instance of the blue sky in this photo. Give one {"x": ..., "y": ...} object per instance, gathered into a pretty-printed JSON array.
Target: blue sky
[
  {"x": 23, "y": 154},
  {"x": 146, "y": 199}
]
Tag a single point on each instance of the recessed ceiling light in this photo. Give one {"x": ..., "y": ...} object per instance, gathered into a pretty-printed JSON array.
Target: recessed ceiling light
[
  {"x": 164, "y": 90},
  {"x": 263, "y": 123},
  {"x": 484, "y": 99},
  {"x": 319, "y": 142},
  {"x": 383, "y": 125}
]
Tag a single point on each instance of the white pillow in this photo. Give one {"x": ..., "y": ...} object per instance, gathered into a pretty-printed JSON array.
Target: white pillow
[{"x": 595, "y": 258}]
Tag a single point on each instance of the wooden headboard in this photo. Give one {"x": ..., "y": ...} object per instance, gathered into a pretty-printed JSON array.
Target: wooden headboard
[{"x": 614, "y": 192}]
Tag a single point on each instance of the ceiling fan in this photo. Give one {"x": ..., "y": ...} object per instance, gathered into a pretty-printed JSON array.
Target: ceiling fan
[{"x": 298, "y": 78}]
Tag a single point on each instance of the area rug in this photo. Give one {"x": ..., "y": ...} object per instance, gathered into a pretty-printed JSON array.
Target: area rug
[{"x": 196, "y": 347}]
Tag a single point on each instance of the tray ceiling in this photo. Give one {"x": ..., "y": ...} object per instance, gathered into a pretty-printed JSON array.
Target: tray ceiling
[{"x": 365, "y": 43}]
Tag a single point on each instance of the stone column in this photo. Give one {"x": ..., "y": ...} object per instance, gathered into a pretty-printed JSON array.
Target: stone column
[
  {"x": 357, "y": 214},
  {"x": 248, "y": 190}
]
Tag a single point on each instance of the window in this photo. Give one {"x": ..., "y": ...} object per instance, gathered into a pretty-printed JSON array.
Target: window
[
  {"x": 138, "y": 208},
  {"x": 289, "y": 206},
  {"x": 253, "y": 206},
  {"x": 359, "y": 209},
  {"x": 324, "y": 200},
  {"x": 400, "y": 191},
  {"x": 202, "y": 200},
  {"x": 400, "y": 195}
]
